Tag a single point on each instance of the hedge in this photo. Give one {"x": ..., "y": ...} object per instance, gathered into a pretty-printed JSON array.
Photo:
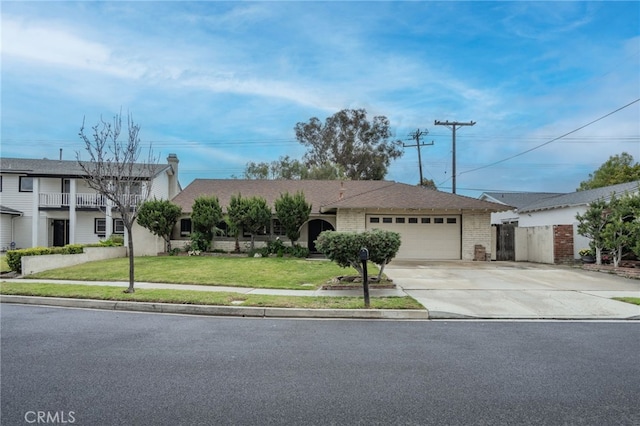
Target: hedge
[{"x": 14, "y": 257}]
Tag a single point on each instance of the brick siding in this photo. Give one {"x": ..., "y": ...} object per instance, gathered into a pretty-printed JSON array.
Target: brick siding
[{"x": 563, "y": 244}]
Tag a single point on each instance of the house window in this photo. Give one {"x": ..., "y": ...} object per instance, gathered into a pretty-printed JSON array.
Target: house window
[
  {"x": 374, "y": 220},
  {"x": 425, "y": 220},
  {"x": 438, "y": 220},
  {"x": 100, "y": 226},
  {"x": 451, "y": 220},
  {"x": 185, "y": 227},
  {"x": 387, "y": 220},
  {"x": 222, "y": 229},
  {"x": 26, "y": 184},
  {"x": 413, "y": 220},
  {"x": 399, "y": 219},
  {"x": 118, "y": 226}
]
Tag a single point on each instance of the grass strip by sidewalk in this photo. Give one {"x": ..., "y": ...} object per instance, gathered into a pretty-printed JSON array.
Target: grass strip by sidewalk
[
  {"x": 278, "y": 273},
  {"x": 633, "y": 300},
  {"x": 78, "y": 291}
]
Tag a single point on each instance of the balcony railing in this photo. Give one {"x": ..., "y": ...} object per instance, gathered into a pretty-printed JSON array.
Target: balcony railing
[{"x": 59, "y": 199}]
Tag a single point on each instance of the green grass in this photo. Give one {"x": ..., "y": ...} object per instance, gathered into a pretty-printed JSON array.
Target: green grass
[
  {"x": 278, "y": 273},
  {"x": 79, "y": 291},
  {"x": 634, "y": 300},
  {"x": 4, "y": 266}
]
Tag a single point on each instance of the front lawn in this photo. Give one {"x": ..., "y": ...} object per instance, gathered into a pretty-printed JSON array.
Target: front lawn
[
  {"x": 77, "y": 291},
  {"x": 4, "y": 266},
  {"x": 272, "y": 272}
]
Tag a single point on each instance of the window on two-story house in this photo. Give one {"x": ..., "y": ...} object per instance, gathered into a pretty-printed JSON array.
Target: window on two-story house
[
  {"x": 100, "y": 226},
  {"x": 26, "y": 184}
]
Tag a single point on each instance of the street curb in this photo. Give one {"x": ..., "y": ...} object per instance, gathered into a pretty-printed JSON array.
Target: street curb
[{"x": 237, "y": 311}]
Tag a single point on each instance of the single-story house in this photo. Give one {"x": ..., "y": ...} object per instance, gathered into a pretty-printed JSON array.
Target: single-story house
[{"x": 432, "y": 224}]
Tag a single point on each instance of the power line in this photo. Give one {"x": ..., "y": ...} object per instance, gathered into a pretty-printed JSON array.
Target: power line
[{"x": 554, "y": 139}]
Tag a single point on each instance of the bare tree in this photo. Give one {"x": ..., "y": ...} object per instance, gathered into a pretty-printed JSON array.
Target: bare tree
[{"x": 114, "y": 172}]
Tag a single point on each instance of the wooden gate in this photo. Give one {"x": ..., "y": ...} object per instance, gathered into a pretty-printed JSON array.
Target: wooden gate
[{"x": 505, "y": 242}]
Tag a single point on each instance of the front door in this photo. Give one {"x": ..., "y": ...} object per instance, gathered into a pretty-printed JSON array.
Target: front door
[
  {"x": 60, "y": 232},
  {"x": 316, "y": 226},
  {"x": 506, "y": 242}
]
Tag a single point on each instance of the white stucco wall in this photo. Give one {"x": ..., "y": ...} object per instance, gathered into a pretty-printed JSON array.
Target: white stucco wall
[{"x": 536, "y": 242}]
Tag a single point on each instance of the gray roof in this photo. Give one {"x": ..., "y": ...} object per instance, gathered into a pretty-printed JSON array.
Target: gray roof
[
  {"x": 9, "y": 210},
  {"x": 581, "y": 198},
  {"x": 49, "y": 168},
  {"x": 517, "y": 199}
]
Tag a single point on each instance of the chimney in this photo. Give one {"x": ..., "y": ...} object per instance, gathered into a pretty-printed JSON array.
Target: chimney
[
  {"x": 174, "y": 184},
  {"x": 60, "y": 154}
]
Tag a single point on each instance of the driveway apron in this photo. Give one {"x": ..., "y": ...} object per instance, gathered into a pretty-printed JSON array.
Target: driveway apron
[{"x": 458, "y": 289}]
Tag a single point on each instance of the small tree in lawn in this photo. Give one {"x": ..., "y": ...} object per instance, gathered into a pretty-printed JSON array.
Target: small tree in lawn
[
  {"x": 344, "y": 248},
  {"x": 258, "y": 217},
  {"x": 292, "y": 212},
  {"x": 383, "y": 247},
  {"x": 592, "y": 223},
  {"x": 621, "y": 231},
  {"x": 249, "y": 214},
  {"x": 113, "y": 171},
  {"x": 159, "y": 217},
  {"x": 205, "y": 215}
]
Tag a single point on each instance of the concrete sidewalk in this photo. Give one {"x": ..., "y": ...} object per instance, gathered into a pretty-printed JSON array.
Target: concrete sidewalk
[
  {"x": 448, "y": 290},
  {"x": 514, "y": 290},
  {"x": 396, "y": 314}
]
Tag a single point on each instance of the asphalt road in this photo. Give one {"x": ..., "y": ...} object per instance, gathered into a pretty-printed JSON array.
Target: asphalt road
[{"x": 116, "y": 368}]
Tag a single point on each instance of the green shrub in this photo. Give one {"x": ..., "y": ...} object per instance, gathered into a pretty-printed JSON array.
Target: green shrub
[
  {"x": 299, "y": 251},
  {"x": 14, "y": 257},
  {"x": 344, "y": 247}
]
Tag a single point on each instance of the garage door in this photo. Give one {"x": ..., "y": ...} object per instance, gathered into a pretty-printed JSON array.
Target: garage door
[{"x": 435, "y": 237}]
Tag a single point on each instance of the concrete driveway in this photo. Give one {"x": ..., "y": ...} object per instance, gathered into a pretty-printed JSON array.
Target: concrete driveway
[{"x": 458, "y": 289}]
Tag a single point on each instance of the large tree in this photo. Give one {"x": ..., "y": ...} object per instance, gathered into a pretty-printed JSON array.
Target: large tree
[
  {"x": 617, "y": 169},
  {"x": 159, "y": 217},
  {"x": 114, "y": 172},
  {"x": 292, "y": 212},
  {"x": 362, "y": 148},
  {"x": 291, "y": 169}
]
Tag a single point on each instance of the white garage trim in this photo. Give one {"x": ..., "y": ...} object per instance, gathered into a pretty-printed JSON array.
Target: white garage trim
[{"x": 432, "y": 237}]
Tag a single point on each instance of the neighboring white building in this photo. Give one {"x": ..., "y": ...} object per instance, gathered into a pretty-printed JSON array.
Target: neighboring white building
[
  {"x": 517, "y": 200},
  {"x": 546, "y": 209},
  {"x": 48, "y": 203}
]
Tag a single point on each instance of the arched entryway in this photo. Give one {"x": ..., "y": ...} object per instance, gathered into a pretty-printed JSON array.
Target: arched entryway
[{"x": 316, "y": 226}]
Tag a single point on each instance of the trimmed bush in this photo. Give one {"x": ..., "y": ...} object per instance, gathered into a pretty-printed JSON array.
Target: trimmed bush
[
  {"x": 344, "y": 247},
  {"x": 14, "y": 257}
]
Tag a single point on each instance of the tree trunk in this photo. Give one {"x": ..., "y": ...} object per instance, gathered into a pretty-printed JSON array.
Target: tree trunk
[
  {"x": 131, "y": 271},
  {"x": 168, "y": 240}
]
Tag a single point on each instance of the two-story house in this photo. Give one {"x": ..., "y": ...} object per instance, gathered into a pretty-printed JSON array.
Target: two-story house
[{"x": 48, "y": 202}]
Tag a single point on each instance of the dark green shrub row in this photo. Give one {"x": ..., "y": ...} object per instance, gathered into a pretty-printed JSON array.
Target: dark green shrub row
[
  {"x": 14, "y": 257},
  {"x": 276, "y": 247}
]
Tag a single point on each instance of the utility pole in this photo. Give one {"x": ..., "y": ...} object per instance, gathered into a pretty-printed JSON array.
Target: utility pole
[
  {"x": 453, "y": 125},
  {"x": 416, "y": 135}
]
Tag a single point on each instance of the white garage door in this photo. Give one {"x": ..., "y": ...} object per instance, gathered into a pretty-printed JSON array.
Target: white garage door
[{"x": 435, "y": 237}]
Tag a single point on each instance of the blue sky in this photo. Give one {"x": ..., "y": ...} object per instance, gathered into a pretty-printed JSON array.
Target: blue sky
[{"x": 224, "y": 83}]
